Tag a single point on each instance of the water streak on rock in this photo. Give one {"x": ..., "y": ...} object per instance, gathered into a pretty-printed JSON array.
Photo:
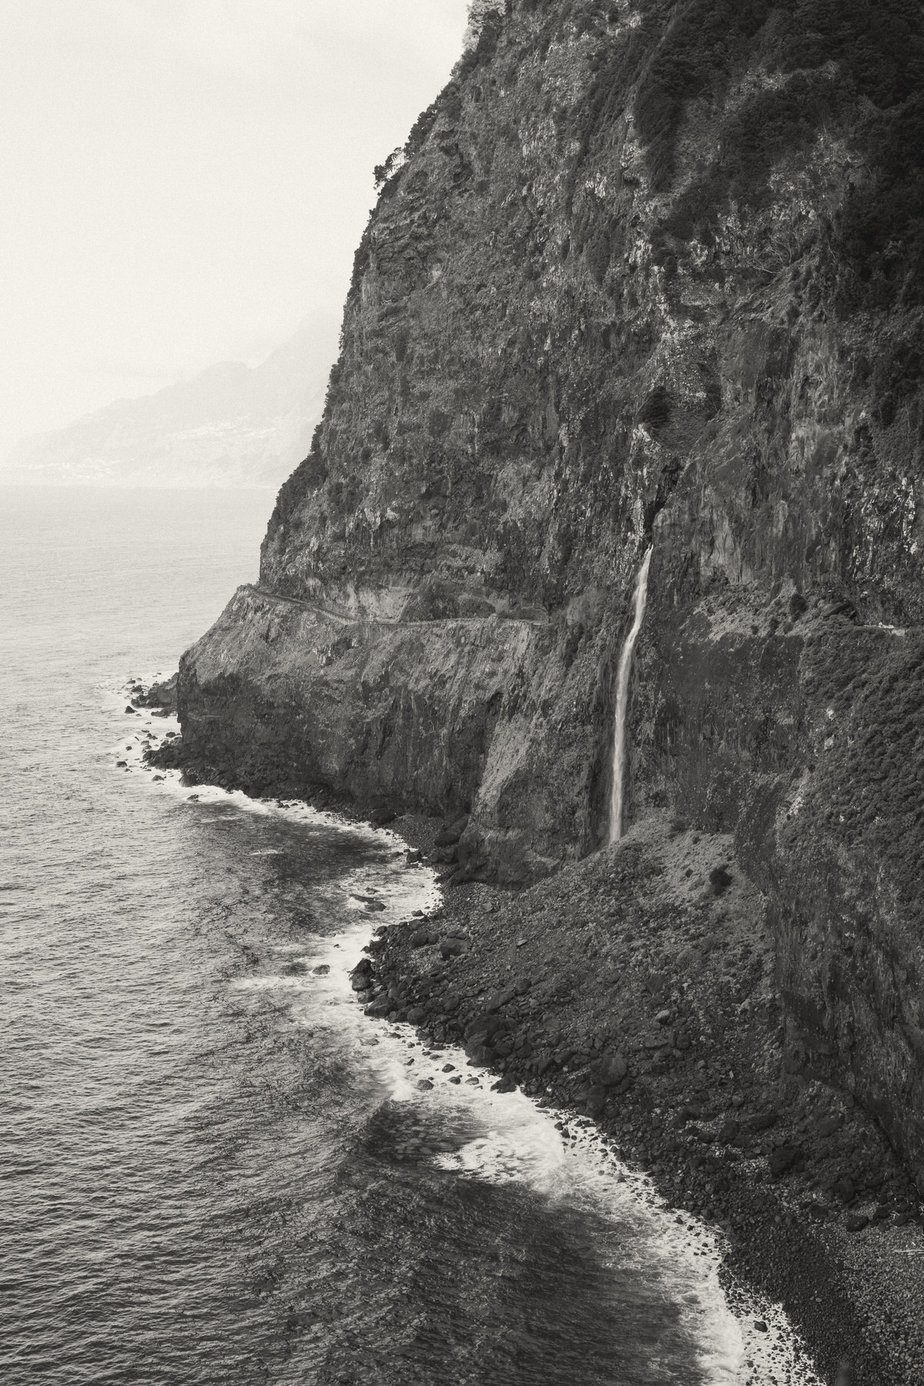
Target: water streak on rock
[{"x": 617, "y": 793}]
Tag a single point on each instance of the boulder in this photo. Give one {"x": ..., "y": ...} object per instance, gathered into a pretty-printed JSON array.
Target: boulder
[
  {"x": 595, "y": 1100},
  {"x": 450, "y": 833},
  {"x": 728, "y": 1132},
  {"x": 499, "y": 999},
  {"x": 453, "y": 947},
  {"x": 783, "y": 1159},
  {"x": 612, "y": 1069},
  {"x": 482, "y": 1027},
  {"x": 380, "y": 1007},
  {"x": 478, "y": 1053},
  {"x": 505, "y": 1084}
]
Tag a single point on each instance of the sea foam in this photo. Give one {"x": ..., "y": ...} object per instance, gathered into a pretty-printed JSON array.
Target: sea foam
[{"x": 561, "y": 1157}]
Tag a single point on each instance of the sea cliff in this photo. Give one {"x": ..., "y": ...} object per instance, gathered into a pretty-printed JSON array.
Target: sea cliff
[{"x": 644, "y": 275}]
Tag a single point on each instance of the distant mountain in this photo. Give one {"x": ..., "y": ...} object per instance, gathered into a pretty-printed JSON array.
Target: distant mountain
[{"x": 230, "y": 425}]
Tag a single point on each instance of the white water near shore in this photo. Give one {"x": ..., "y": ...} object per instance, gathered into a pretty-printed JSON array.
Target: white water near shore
[{"x": 501, "y": 1137}]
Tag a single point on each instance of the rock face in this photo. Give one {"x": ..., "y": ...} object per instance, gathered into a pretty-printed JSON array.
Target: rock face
[{"x": 648, "y": 274}]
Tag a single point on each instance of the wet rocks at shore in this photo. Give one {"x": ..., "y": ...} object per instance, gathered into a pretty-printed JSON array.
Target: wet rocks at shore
[
  {"x": 159, "y": 696},
  {"x": 626, "y": 990},
  {"x": 598, "y": 993}
]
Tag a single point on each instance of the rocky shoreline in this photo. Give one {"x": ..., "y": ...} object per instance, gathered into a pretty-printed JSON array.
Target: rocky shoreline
[
  {"x": 634, "y": 988},
  {"x": 643, "y": 278},
  {"x": 683, "y": 1070}
]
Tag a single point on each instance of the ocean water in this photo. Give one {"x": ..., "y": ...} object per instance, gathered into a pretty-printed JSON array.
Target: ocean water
[{"x": 213, "y": 1168}]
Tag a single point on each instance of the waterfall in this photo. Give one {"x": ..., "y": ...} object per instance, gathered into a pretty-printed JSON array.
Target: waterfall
[{"x": 617, "y": 794}]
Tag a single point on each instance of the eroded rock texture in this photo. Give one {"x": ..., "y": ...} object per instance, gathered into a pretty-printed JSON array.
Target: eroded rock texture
[{"x": 649, "y": 274}]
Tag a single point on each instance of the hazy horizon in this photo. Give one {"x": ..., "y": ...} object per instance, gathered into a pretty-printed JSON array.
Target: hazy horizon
[{"x": 190, "y": 181}]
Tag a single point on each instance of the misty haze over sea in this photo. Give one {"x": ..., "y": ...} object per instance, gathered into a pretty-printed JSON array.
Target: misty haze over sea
[{"x": 231, "y": 425}]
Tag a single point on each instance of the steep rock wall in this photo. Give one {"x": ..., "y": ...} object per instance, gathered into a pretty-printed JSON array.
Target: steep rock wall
[{"x": 648, "y": 273}]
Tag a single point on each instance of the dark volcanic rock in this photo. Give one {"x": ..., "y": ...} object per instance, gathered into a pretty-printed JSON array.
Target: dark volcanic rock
[
  {"x": 647, "y": 278},
  {"x": 380, "y": 1007},
  {"x": 610, "y": 953},
  {"x": 782, "y": 1159},
  {"x": 612, "y": 1069},
  {"x": 453, "y": 947},
  {"x": 161, "y": 696},
  {"x": 557, "y": 347},
  {"x": 449, "y": 836}
]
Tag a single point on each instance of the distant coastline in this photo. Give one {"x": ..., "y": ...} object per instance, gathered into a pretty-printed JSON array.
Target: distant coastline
[{"x": 231, "y": 425}]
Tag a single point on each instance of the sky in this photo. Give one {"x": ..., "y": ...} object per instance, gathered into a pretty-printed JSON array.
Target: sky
[{"x": 185, "y": 181}]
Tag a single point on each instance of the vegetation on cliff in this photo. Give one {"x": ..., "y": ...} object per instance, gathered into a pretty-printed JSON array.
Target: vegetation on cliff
[{"x": 643, "y": 273}]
